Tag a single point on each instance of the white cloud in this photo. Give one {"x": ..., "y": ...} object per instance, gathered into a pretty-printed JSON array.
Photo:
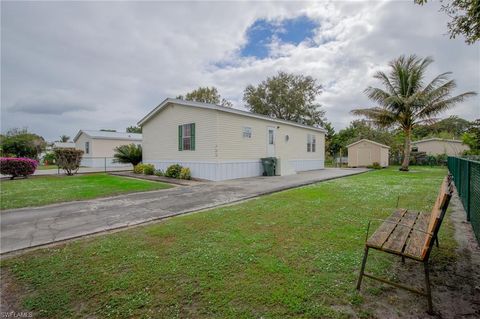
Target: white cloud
[{"x": 117, "y": 60}]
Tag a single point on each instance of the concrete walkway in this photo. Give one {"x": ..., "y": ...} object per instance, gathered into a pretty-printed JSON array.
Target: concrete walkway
[{"x": 30, "y": 227}]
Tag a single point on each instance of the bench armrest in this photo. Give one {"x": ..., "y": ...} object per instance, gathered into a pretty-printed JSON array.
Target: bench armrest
[{"x": 398, "y": 224}]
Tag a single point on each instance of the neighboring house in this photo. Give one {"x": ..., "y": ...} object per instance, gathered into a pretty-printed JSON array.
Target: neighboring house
[
  {"x": 366, "y": 152},
  {"x": 438, "y": 146},
  {"x": 99, "y": 146},
  {"x": 64, "y": 145},
  {"x": 219, "y": 143}
]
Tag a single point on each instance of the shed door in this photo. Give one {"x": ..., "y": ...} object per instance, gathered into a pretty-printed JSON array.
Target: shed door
[
  {"x": 363, "y": 157},
  {"x": 270, "y": 141}
]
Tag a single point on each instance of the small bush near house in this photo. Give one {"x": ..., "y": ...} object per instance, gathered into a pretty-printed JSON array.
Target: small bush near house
[
  {"x": 138, "y": 169},
  {"x": 185, "y": 173},
  {"x": 375, "y": 165},
  {"x": 173, "y": 171},
  {"x": 159, "y": 172},
  {"x": 17, "y": 166},
  {"x": 68, "y": 159},
  {"x": 148, "y": 169},
  {"x": 49, "y": 158}
]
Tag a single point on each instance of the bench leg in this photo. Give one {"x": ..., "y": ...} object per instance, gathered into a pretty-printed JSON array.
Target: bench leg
[
  {"x": 427, "y": 287},
  {"x": 362, "y": 270}
]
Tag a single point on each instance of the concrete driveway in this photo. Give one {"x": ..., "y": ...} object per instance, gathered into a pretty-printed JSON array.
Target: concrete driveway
[{"x": 30, "y": 227}]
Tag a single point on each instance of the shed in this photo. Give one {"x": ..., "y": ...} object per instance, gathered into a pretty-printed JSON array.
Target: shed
[
  {"x": 439, "y": 146},
  {"x": 366, "y": 152},
  {"x": 220, "y": 143}
]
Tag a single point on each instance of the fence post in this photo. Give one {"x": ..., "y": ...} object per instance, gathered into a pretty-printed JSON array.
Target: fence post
[
  {"x": 105, "y": 164},
  {"x": 467, "y": 190}
]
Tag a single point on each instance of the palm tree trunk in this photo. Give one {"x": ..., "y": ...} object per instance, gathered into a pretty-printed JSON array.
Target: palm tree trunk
[{"x": 406, "y": 151}]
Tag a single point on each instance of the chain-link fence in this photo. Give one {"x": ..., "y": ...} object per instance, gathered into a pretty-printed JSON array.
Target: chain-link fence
[{"x": 466, "y": 175}]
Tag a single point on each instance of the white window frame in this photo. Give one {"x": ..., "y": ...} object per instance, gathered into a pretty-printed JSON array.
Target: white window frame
[
  {"x": 186, "y": 137},
  {"x": 311, "y": 143},
  {"x": 247, "y": 132}
]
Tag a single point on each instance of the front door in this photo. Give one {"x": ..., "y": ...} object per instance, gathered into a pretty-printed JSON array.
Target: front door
[{"x": 270, "y": 141}]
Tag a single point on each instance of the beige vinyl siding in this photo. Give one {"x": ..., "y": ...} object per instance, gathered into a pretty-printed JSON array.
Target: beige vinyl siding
[
  {"x": 160, "y": 134},
  {"x": 437, "y": 147},
  {"x": 106, "y": 148},
  {"x": 233, "y": 146},
  {"x": 80, "y": 144}
]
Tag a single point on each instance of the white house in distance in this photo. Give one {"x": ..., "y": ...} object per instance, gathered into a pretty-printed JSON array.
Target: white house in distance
[
  {"x": 365, "y": 152},
  {"x": 99, "y": 146},
  {"x": 440, "y": 146},
  {"x": 219, "y": 143}
]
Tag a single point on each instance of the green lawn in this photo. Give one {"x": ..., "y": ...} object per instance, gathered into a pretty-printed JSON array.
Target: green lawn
[
  {"x": 293, "y": 254},
  {"x": 43, "y": 190}
]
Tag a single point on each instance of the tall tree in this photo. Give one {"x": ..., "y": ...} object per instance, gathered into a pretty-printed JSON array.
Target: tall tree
[
  {"x": 472, "y": 137},
  {"x": 206, "y": 95},
  {"x": 406, "y": 100},
  {"x": 465, "y": 15},
  {"x": 134, "y": 129},
  {"x": 64, "y": 138},
  {"x": 21, "y": 143},
  {"x": 286, "y": 96}
]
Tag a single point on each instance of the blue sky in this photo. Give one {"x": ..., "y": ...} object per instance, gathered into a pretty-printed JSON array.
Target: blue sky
[
  {"x": 263, "y": 32},
  {"x": 67, "y": 66}
]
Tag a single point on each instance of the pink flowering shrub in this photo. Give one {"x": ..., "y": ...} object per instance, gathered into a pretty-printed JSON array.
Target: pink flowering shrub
[{"x": 17, "y": 166}]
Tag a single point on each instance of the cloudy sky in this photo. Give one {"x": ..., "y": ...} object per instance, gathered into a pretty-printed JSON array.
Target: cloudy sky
[{"x": 67, "y": 66}]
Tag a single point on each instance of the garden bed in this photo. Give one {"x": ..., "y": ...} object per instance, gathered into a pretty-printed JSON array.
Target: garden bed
[{"x": 155, "y": 178}]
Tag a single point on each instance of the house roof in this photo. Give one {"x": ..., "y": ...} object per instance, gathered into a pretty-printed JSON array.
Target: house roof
[
  {"x": 437, "y": 139},
  {"x": 109, "y": 135},
  {"x": 64, "y": 144},
  {"x": 168, "y": 101},
  {"x": 368, "y": 141}
]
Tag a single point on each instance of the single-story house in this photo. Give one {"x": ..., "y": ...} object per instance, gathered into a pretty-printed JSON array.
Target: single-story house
[
  {"x": 365, "y": 152},
  {"x": 99, "y": 146},
  {"x": 64, "y": 145},
  {"x": 220, "y": 143},
  {"x": 439, "y": 146}
]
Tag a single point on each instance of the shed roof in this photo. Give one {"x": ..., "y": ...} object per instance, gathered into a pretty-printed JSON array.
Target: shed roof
[
  {"x": 437, "y": 139},
  {"x": 222, "y": 109},
  {"x": 107, "y": 135},
  {"x": 368, "y": 141}
]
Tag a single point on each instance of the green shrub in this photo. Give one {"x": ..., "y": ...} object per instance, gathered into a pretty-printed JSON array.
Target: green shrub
[
  {"x": 148, "y": 169},
  {"x": 185, "y": 173},
  {"x": 128, "y": 154},
  {"x": 68, "y": 159},
  {"x": 173, "y": 171},
  {"x": 138, "y": 169},
  {"x": 159, "y": 172},
  {"x": 375, "y": 165}
]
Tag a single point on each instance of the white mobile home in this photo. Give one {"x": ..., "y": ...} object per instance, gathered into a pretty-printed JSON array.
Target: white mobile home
[
  {"x": 440, "y": 146},
  {"x": 219, "y": 143},
  {"x": 99, "y": 146}
]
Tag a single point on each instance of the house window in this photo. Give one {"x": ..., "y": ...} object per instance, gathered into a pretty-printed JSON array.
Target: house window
[
  {"x": 270, "y": 137},
  {"x": 247, "y": 132},
  {"x": 186, "y": 137},
  {"x": 87, "y": 147},
  {"x": 311, "y": 143}
]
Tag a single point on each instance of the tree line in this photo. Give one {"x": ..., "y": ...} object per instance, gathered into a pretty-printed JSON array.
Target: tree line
[{"x": 404, "y": 108}]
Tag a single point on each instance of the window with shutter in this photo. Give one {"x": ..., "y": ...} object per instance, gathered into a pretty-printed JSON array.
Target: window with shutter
[{"x": 186, "y": 137}]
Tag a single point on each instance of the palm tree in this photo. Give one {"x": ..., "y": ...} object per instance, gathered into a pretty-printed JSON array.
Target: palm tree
[
  {"x": 64, "y": 138},
  {"x": 128, "y": 154},
  {"x": 406, "y": 101}
]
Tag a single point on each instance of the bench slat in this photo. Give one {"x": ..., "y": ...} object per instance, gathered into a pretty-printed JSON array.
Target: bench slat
[
  {"x": 415, "y": 243},
  {"x": 398, "y": 238},
  {"x": 383, "y": 232}
]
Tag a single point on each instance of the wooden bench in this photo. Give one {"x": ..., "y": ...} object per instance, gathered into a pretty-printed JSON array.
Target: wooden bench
[{"x": 409, "y": 234}]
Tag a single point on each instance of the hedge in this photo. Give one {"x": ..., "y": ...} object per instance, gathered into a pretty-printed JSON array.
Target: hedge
[{"x": 17, "y": 166}]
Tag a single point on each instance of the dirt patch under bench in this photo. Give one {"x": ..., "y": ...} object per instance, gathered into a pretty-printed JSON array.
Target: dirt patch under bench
[{"x": 455, "y": 279}]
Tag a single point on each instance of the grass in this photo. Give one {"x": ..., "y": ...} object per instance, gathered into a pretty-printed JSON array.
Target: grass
[
  {"x": 293, "y": 254},
  {"x": 43, "y": 190}
]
